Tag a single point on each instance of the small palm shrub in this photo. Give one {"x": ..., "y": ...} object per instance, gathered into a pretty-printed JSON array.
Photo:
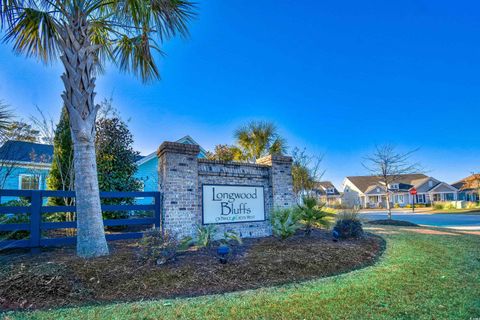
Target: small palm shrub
[
  {"x": 205, "y": 235},
  {"x": 230, "y": 236},
  {"x": 285, "y": 222},
  {"x": 312, "y": 213},
  {"x": 159, "y": 247},
  {"x": 348, "y": 225}
]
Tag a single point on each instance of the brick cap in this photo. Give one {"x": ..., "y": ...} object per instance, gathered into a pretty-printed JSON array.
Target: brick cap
[
  {"x": 176, "y": 147},
  {"x": 271, "y": 159},
  {"x": 233, "y": 163}
]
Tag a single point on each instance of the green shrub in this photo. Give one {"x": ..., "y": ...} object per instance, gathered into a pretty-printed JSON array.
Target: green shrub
[
  {"x": 157, "y": 246},
  {"x": 348, "y": 225},
  {"x": 312, "y": 213},
  {"x": 449, "y": 206},
  {"x": 285, "y": 222},
  {"x": 408, "y": 206},
  {"x": 15, "y": 218},
  {"x": 438, "y": 206},
  {"x": 396, "y": 205},
  {"x": 471, "y": 205}
]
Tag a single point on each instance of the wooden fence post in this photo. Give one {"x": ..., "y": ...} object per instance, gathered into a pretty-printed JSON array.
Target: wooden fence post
[
  {"x": 158, "y": 210},
  {"x": 35, "y": 220}
]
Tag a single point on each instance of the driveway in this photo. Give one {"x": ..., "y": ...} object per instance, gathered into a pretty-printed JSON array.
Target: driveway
[{"x": 454, "y": 221}]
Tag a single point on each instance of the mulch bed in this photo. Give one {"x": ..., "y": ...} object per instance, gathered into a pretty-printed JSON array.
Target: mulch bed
[
  {"x": 391, "y": 222},
  {"x": 57, "y": 278}
]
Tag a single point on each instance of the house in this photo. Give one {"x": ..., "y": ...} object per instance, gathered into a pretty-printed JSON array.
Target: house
[
  {"x": 147, "y": 170},
  {"x": 468, "y": 188},
  {"x": 24, "y": 165},
  {"x": 370, "y": 192},
  {"x": 327, "y": 193}
]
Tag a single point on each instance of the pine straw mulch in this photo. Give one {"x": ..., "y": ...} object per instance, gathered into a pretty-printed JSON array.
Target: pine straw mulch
[{"x": 57, "y": 278}]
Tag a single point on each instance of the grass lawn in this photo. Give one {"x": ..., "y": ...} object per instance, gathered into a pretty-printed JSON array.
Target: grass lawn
[
  {"x": 475, "y": 211},
  {"x": 424, "y": 274}
]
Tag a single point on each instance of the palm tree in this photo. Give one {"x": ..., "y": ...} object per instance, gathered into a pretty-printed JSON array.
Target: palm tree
[
  {"x": 258, "y": 139},
  {"x": 85, "y": 35}
]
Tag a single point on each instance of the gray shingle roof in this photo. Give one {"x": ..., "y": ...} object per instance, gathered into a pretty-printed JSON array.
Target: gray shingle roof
[
  {"x": 364, "y": 182},
  {"x": 322, "y": 186}
]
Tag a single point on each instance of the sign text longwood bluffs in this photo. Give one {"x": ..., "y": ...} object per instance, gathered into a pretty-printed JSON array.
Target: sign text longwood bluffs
[{"x": 233, "y": 203}]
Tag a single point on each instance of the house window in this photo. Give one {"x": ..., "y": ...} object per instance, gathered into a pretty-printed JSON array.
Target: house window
[
  {"x": 399, "y": 198},
  {"x": 29, "y": 182},
  {"x": 373, "y": 199},
  {"x": 448, "y": 196},
  {"x": 437, "y": 197},
  {"x": 330, "y": 190},
  {"x": 420, "y": 198},
  {"x": 394, "y": 186},
  {"x": 430, "y": 183}
]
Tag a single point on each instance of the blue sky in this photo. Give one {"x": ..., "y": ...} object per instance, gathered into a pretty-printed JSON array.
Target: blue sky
[{"x": 337, "y": 77}]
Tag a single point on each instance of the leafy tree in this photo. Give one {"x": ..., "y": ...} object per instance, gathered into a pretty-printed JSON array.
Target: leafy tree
[
  {"x": 61, "y": 175},
  {"x": 21, "y": 131},
  {"x": 6, "y": 167},
  {"x": 305, "y": 171},
  {"x": 258, "y": 139},
  {"x": 224, "y": 152},
  {"x": 84, "y": 35},
  {"x": 5, "y": 120},
  {"x": 116, "y": 161}
]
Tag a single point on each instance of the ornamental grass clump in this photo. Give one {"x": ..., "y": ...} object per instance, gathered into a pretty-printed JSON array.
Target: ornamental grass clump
[
  {"x": 285, "y": 222},
  {"x": 348, "y": 225}
]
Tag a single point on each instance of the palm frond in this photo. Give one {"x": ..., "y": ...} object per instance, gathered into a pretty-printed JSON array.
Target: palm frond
[
  {"x": 34, "y": 33},
  {"x": 100, "y": 31},
  {"x": 134, "y": 55},
  {"x": 172, "y": 16}
]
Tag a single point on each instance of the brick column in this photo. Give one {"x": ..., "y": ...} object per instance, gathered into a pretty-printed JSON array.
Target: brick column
[
  {"x": 280, "y": 179},
  {"x": 178, "y": 180}
]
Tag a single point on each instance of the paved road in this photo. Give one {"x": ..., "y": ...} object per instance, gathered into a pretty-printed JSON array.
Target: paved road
[{"x": 456, "y": 221}]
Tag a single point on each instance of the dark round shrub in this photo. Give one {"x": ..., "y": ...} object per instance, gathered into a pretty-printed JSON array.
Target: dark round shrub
[{"x": 348, "y": 228}]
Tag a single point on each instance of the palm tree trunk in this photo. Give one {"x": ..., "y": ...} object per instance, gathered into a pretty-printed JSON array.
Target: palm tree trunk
[{"x": 79, "y": 59}]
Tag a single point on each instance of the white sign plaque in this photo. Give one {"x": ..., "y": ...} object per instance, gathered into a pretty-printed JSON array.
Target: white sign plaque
[{"x": 232, "y": 204}]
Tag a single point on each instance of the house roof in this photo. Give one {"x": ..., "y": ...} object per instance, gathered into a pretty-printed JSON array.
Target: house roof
[
  {"x": 324, "y": 185},
  {"x": 364, "y": 183},
  {"x": 470, "y": 182},
  {"x": 21, "y": 151},
  {"x": 186, "y": 140}
]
